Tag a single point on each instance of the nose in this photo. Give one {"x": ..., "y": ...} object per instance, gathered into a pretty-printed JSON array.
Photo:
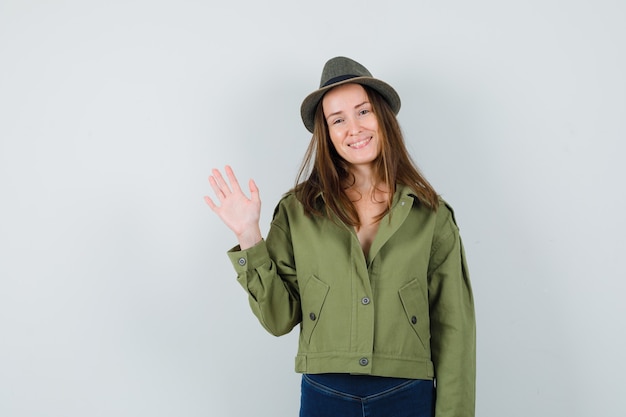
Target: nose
[{"x": 354, "y": 127}]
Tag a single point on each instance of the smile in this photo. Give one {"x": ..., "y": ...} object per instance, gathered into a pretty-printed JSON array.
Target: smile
[{"x": 360, "y": 144}]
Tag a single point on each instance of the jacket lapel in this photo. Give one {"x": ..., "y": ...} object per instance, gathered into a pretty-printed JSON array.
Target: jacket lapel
[{"x": 401, "y": 207}]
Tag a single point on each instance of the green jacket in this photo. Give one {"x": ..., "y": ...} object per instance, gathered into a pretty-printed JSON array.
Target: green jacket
[{"x": 405, "y": 311}]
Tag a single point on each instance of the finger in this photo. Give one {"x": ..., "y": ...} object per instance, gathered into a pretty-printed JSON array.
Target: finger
[
  {"x": 221, "y": 183},
  {"x": 210, "y": 203},
  {"x": 232, "y": 178},
  {"x": 254, "y": 191},
  {"x": 216, "y": 188}
]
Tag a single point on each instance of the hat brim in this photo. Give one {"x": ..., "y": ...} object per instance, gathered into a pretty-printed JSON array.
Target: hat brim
[{"x": 309, "y": 105}]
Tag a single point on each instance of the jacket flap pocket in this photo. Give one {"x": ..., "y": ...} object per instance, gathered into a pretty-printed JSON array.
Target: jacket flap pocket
[
  {"x": 415, "y": 304},
  {"x": 312, "y": 300}
]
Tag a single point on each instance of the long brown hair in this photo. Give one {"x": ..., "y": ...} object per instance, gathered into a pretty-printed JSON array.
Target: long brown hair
[{"x": 327, "y": 173}]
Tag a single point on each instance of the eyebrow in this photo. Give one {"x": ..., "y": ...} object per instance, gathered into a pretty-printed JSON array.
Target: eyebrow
[{"x": 338, "y": 112}]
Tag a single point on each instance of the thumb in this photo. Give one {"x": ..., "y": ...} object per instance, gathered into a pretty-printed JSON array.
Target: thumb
[{"x": 254, "y": 191}]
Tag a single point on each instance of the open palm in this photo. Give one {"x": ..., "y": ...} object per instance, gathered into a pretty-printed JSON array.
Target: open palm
[{"x": 240, "y": 213}]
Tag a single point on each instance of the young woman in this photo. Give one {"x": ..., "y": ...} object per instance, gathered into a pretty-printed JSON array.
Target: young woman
[{"x": 365, "y": 257}]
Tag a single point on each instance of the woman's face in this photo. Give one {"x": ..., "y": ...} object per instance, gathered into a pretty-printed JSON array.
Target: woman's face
[{"x": 352, "y": 125}]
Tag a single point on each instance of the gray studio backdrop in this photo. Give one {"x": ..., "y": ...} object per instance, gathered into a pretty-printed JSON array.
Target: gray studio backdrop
[{"x": 116, "y": 296}]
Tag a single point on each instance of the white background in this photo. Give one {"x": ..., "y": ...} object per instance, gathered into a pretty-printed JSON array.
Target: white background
[{"x": 116, "y": 295}]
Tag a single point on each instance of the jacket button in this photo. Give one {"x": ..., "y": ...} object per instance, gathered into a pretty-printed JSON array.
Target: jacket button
[
  {"x": 363, "y": 361},
  {"x": 242, "y": 261},
  {"x": 312, "y": 316},
  {"x": 414, "y": 320},
  {"x": 365, "y": 301}
]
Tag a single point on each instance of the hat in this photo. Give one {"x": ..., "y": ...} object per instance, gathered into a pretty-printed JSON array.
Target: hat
[{"x": 341, "y": 70}]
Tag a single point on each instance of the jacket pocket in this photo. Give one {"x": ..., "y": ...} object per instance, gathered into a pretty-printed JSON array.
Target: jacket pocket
[
  {"x": 312, "y": 299},
  {"x": 415, "y": 304}
]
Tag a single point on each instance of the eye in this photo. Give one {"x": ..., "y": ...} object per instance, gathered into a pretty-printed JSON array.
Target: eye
[
  {"x": 363, "y": 112},
  {"x": 337, "y": 121}
]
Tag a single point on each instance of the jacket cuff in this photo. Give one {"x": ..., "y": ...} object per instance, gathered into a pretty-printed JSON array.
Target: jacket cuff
[{"x": 249, "y": 259}]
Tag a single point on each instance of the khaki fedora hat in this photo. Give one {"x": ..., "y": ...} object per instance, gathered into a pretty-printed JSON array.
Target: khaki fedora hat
[{"x": 341, "y": 70}]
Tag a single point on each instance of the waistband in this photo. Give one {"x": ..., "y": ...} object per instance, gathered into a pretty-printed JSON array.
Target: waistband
[{"x": 357, "y": 385}]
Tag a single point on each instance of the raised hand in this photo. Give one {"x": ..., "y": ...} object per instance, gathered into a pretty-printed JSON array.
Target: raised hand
[{"x": 240, "y": 213}]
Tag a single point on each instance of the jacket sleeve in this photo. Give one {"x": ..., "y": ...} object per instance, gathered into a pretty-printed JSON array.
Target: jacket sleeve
[
  {"x": 267, "y": 272},
  {"x": 452, "y": 322}
]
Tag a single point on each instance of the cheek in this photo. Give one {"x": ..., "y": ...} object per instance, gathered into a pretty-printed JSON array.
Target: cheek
[
  {"x": 374, "y": 125},
  {"x": 335, "y": 140}
]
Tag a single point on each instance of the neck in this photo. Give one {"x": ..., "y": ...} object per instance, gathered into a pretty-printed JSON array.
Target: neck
[
  {"x": 366, "y": 184},
  {"x": 364, "y": 178}
]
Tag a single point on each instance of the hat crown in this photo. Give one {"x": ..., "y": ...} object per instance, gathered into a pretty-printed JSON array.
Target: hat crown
[{"x": 340, "y": 69}]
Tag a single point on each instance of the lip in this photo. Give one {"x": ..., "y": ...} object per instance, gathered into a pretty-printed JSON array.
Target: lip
[{"x": 361, "y": 143}]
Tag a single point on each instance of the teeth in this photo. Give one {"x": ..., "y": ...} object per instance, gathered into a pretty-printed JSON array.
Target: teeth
[{"x": 359, "y": 143}]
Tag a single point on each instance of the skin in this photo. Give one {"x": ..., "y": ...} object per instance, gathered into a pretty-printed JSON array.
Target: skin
[
  {"x": 240, "y": 213},
  {"x": 354, "y": 132},
  {"x": 353, "y": 127}
]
